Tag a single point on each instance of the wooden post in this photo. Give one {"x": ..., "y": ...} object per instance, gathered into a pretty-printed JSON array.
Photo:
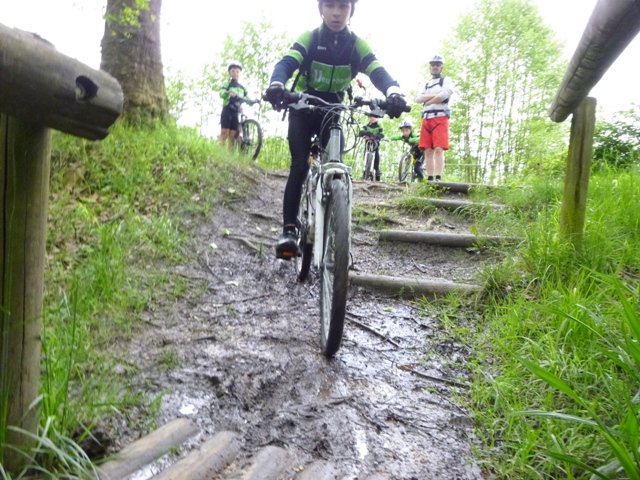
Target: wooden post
[
  {"x": 24, "y": 192},
  {"x": 576, "y": 182},
  {"x": 40, "y": 89}
]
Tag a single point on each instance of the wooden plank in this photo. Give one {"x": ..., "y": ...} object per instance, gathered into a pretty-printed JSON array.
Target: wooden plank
[
  {"x": 270, "y": 464},
  {"x": 41, "y": 85},
  {"x": 452, "y": 204},
  {"x": 24, "y": 192},
  {"x": 576, "y": 180},
  {"x": 457, "y": 240},
  {"x": 611, "y": 27},
  {"x": 210, "y": 458},
  {"x": 144, "y": 451},
  {"x": 410, "y": 285}
]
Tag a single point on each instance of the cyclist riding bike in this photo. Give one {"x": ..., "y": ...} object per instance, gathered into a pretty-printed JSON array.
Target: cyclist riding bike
[
  {"x": 408, "y": 136},
  {"x": 373, "y": 131},
  {"x": 327, "y": 59}
]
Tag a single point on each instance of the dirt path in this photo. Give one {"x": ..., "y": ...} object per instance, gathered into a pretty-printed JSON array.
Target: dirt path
[{"x": 245, "y": 351}]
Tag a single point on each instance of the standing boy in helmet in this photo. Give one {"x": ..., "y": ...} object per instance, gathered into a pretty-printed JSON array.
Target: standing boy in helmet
[
  {"x": 374, "y": 130},
  {"x": 408, "y": 136},
  {"x": 233, "y": 94},
  {"x": 328, "y": 58},
  {"x": 434, "y": 134}
]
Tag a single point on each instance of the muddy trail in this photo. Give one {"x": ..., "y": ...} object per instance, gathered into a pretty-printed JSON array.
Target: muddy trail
[{"x": 242, "y": 353}]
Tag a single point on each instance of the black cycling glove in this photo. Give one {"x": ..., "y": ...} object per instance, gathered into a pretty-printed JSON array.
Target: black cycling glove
[
  {"x": 275, "y": 95},
  {"x": 396, "y": 104}
]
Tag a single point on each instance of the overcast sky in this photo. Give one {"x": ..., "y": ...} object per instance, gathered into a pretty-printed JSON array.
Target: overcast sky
[{"x": 403, "y": 33}]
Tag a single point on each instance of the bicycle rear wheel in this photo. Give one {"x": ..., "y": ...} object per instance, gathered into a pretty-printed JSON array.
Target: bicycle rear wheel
[
  {"x": 304, "y": 263},
  {"x": 404, "y": 167},
  {"x": 334, "y": 269},
  {"x": 251, "y": 138}
]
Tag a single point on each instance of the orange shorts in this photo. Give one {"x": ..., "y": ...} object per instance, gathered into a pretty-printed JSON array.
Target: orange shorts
[{"x": 434, "y": 133}]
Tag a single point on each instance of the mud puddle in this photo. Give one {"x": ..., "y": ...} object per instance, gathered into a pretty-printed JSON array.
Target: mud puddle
[{"x": 246, "y": 353}]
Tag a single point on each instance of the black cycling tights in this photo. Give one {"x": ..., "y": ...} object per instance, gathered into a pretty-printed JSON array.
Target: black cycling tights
[{"x": 303, "y": 125}]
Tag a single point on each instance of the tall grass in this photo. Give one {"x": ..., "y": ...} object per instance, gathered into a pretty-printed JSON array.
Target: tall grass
[
  {"x": 562, "y": 400},
  {"x": 119, "y": 213}
]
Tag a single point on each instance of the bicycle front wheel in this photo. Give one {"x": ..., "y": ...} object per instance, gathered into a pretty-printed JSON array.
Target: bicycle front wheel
[
  {"x": 251, "y": 138},
  {"x": 368, "y": 166},
  {"x": 334, "y": 268},
  {"x": 404, "y": 167},
  {"x": 306, "y": 247}
]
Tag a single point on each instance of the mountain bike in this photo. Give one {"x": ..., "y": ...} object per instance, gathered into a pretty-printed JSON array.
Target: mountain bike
[
  {"x": 371, "y": 144},
  {"x": 324, "y": 215},
  {"x": 408, "y": 164},
  {"x": 249, "y": 135}
]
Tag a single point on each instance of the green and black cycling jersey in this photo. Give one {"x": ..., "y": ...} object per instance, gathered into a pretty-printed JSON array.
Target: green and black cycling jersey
[
  {"x": 328, "y": 61},
  {"x": 233, "y": 103},
  {"x": 412, "y": 140},
  {"x": 372, "y": 129}
]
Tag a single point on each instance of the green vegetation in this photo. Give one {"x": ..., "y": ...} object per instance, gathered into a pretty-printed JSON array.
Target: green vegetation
[
  {"x": 120, "y": 212},
  {"x": 558, "y": 352}
]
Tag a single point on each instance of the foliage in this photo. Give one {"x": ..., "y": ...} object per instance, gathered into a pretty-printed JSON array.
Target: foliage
[
  {"x": 127, "y": 17},
  {"x": 119, "y": 210},
  {"x": 506, "y": 66},
  {"x": 556, "y": 394},
  {"x": 247, "y": 47},
  {"x": 616, "y": 143}
]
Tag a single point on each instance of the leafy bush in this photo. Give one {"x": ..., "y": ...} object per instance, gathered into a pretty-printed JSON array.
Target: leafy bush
[{"x": 617, "y": 143}]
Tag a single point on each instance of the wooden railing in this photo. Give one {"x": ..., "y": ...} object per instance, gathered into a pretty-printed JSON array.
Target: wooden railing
[
  {"x": 40, "y": 89},
  {"x": 611, "y": 27}
]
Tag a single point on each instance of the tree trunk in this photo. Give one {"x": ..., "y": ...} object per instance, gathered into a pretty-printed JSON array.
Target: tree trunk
[{"x": 131, "y": 53}]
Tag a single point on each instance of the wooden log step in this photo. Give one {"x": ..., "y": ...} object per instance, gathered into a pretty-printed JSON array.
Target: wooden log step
[
  {"x": 319, "y": 470},
  {"x": 458, "y": 240},
  {"x": 270, "y": 464},
  {"x": 410, "y": 285},
  {"x": 463, "y": 187},
  {"x": 210, "y": 458},
  {"x": 144, "y": 451},
  {"x": 451, "y": 204}
]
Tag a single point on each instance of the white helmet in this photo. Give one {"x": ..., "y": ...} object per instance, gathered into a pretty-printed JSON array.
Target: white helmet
[
  {"x": 406, "y": 123},
  {"x": 234, "y": 64},
  {"x": 437, "y": 58}
]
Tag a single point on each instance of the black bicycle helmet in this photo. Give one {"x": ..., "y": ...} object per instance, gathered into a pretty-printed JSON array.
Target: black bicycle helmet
[{"x": 353, "y": 6}]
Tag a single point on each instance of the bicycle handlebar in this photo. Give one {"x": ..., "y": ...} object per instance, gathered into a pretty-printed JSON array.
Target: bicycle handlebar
[{"x": 300, "y": 101}]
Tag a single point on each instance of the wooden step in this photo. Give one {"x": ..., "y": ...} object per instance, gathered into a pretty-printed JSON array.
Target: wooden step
[
  {"x": 147, "y": 449},
  {"x": 410, "y": 286},
  {"x": 270, "y": 464},
  {"x": 211, "y": 457},
  {"x": 457, "y": 240},
  {"x": 452, "y": 204}
]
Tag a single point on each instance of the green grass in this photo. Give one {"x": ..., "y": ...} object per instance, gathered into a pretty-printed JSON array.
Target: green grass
[
  {"x": 119, "y": 214},
  {"x": 562, "y": 332}
]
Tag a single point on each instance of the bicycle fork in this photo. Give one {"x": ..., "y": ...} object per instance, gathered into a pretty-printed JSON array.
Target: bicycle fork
[{"x": 331, "y": 168}]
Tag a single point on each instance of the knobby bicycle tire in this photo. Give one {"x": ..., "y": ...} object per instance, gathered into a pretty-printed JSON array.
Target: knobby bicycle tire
[
  {"x": 368, "y": 166},
  {"x": 251, "y": 138},
  {"x": 303, "y": 263},
  {"x": 334, "y": 268},
  {"x": 404, "y": 167}
]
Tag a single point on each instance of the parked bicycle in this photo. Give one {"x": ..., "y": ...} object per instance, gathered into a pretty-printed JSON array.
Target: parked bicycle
[
  {"x": 249, "y": 136},
  {"x": 408, "y": 163},
  {"x": 324, "y": 215},
  {"x": 371, "y": 145}
]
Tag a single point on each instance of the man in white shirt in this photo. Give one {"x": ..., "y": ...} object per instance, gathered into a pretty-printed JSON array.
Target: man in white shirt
[{"x": 434, "y": 134}]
